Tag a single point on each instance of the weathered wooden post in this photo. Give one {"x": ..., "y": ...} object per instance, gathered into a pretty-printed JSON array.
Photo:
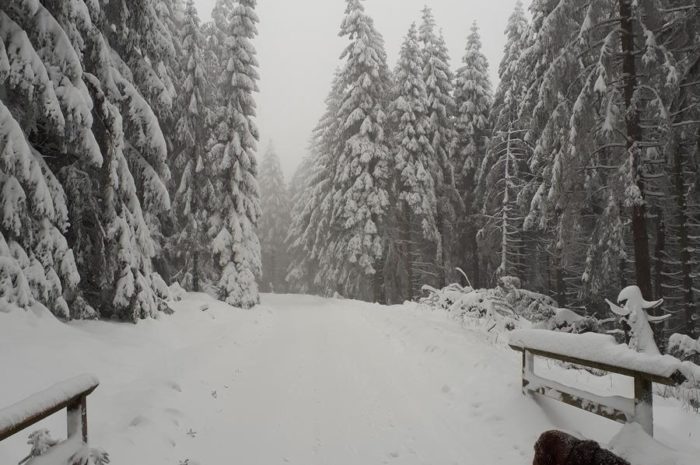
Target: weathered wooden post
[
  {"x": 644, "y": 404},
  {"x": 528, "y": 368},
  {"x": 76, "y": 414}
]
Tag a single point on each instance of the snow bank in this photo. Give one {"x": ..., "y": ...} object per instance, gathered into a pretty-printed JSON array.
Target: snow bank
[
  {"x": 598, "y": 348},
  {"x": 634, "y": 445}
]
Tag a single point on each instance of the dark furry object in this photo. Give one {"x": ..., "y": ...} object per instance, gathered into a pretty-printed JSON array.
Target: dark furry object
[{"x": 558, "y": 448}]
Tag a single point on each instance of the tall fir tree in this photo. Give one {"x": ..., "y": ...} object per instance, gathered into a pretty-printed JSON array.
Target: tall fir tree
[
  {"x": 194, "y": 192},
  {"x": 274, "y": 222},
  {"x": 78, "y": 144},
  {"x": 313, "y": 201},
  {"x": 355, "y": 250},
  {"x": 503, "y": 170},
  {"x": 472, "y": 129},
  {"x": 439, "y": 83},
  {"x": 236, "y": 245},
  {"x": 414, "y": 188}
]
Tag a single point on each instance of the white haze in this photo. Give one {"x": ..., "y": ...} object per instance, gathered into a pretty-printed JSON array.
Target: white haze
[{"x": 298, "y": 49}]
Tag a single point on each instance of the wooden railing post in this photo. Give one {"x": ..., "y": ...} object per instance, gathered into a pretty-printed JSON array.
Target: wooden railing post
[
  {"x": 528, "y": 368},
  {"x": 644, "y": 404},
  {"x": 77, "y": 418}
]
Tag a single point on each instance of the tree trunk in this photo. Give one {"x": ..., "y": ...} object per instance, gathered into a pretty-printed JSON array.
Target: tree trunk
[
  {"x": 659, "y": 249},
  {"x": 195, "y": 271},
  {"x": 561, "y": 284},
  {"x": 411, "y": 291},
  {"x": 476, "y": 272},
  {"x": 642, "y": 260},
  {"x": 378, "y": 290}
]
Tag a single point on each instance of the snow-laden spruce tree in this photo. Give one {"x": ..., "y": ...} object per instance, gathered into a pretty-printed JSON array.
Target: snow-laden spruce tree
[
  {"x": 299, "y": 273},
  {"x": 632, "y": 81},
  {"x": 274, "y": 222},
  {"x": 354, "y": 256},
  {"x": 679, "y": 272},
  {"x": 611, "y": 124},
  {"x": 473, "y": 103},
  {"x": 59, "y": 78},
  {"x": 139, "y": 32},
  {"x": 312, "y": 197},
  {"x": 235, "y": 214},
  {"x": 503, "y": 170},
  {"x": 439, "y": 84},
  {"x": 36, "y": 52},
  {"x": 414, "y": 188},
  {"x": 33, "y": 251},
  {"x": 194, "y": 192}
]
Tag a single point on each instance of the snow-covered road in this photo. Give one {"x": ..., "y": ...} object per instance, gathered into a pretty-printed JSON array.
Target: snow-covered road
[{"x": 299, "y": 380}]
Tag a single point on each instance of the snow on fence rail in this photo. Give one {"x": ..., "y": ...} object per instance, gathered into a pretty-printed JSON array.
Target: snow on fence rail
[
  {"x": 602, "y": 352},
  {"x": 70, "y": 394}
]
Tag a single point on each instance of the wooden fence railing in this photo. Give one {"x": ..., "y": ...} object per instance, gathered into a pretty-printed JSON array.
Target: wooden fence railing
[
  {"x": 592, "y": 350},
  {"x": 70, "y": 395}
]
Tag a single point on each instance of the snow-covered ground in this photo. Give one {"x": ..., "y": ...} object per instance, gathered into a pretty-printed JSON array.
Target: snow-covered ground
[{"x": 303, "y": 380}]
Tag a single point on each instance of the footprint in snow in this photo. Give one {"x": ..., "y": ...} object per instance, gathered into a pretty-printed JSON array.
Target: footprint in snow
[
  {"x": 174, "y": 386},
  {"x": 139, "y": 420}
]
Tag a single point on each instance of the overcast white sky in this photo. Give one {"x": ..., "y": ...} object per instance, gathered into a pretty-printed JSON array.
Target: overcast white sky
[{"x": 298, "y": 49}]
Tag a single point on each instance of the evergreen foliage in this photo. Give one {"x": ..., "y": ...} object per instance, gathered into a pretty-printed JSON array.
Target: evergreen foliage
[
  {"x": 274, "y": 200},
  {"x": 89, "y": 91}
]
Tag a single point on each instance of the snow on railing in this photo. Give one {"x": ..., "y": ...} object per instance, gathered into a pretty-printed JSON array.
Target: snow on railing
[
  {"x": 597, "y": 348},
  {"x": 71, "y": 395},
  {"x": 602, "y": 352}
]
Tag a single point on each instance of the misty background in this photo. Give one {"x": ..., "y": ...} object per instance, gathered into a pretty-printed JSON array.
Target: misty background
[{"x": 299, "y": 48}]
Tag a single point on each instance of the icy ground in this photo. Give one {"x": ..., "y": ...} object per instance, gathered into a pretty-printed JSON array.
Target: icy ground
[{"x": 304, "y": 380}]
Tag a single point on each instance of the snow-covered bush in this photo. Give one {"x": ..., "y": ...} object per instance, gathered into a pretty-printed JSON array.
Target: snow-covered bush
[
  {"x": 568, "y": 321},
  {"x": 489, "y": 307},
  {"x": 684, "y": 348},
  {"x": 41, "y": 443},
  {"x": 176, "y": 292}
]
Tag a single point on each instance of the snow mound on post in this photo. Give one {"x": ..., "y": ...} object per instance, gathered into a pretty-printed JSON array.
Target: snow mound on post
[{"x": 600, "y": 348}]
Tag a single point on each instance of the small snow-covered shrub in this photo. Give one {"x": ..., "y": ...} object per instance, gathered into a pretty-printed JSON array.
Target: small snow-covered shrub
[
  {"x": 41, "y": 443},
  {"x": 568, "y": 321},
  {"x": 507, "y": 305},
  {"x": 684, "y": 348},
  {"x": 176, "y": 292},
  {"x": 531, "y": 305},
  {"x": 81, "y": 310},
  {"x": 488, "y": 307}
]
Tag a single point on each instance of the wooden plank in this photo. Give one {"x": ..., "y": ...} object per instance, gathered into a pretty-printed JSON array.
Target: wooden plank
[
  {"x": 619, "y": 409},
  {"x": 674, "y": 380},
  {"x": 38, "y": 416}
]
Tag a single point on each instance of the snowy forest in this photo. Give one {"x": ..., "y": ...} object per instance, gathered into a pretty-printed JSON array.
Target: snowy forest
[
  {"x": 129, "y": 160},
  {"x": 128, "y": 155},
  {"x": 577, "y": 174},
  {"x": 363, "y": 309}
]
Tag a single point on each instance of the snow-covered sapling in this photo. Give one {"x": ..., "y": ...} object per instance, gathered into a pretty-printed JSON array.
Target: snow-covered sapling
[{"x": 631, "y": 307}]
